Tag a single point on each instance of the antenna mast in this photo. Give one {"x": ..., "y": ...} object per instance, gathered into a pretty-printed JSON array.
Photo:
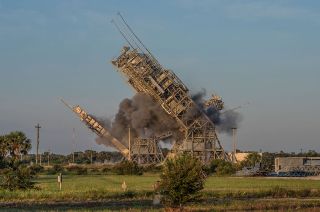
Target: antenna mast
[
  {"x": 127, "y": 25},
  {"x": 123, "y": 35}
]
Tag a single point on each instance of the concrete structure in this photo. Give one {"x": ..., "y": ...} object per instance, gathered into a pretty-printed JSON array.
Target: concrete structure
[
  {"x": 241, "y": 156},
  {"x": 296, "y": 164}
]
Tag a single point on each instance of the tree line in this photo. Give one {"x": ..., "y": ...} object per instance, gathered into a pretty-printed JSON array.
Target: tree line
[{"x": 79, "y": 157}]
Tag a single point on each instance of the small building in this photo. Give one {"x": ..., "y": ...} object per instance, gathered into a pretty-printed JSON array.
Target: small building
[
  {"x": 241, "y": 156},
  {"x": 296, "y": 164}
]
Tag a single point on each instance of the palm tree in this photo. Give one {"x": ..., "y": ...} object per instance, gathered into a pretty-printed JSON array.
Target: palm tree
[
  {"x": 3, "y": 147},
  {"x": 16, "y": 175},
  {"x": 16, "y": 143}
]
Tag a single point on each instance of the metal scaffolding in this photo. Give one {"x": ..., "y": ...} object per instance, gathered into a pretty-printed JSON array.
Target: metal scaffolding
[
  {"x": 146, "y": 151},
  {"x": 141, "y": 150},
  {"x": 144, "y": 73}
]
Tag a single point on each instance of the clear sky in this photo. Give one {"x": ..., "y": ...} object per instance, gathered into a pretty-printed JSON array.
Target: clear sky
[{"x": 265, "y": 52}]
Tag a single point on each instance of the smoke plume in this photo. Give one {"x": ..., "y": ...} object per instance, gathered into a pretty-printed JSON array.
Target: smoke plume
[
  {"x": 143, "y": 116},
  {"x": 146, "y": 118},
  {"x": 223, "y": 120}
]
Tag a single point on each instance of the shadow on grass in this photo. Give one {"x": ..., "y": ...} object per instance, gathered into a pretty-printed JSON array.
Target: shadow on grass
[{"x": 139, "y": 205}]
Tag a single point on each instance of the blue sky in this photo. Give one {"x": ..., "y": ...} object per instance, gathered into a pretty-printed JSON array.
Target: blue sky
[{"x": 264, "y": 52}]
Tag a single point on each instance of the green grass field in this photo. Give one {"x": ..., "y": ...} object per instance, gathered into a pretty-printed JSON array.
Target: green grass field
[{"x": 87, "y": 188}]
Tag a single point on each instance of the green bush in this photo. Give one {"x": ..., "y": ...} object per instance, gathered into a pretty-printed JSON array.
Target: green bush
[
  {"x": 127, "y": 168},
  {"x": 36, "y": 169},
  {"x": 3, "y": 163},
  {"x": 152, "y": 168},
  {"x": 221, "y": 168},
  {"x": 17, "y": 177},
  {"x": 56, "y": 169},
  {"x": 181, "y": 180},
  {"x": 106, "y": 170},
  {"x": 79, "y": 170},
  {"x": 251, "y": 160}
]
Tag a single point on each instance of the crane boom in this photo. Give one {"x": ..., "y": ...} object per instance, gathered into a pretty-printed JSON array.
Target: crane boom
[{"x": 97, "y": 128}]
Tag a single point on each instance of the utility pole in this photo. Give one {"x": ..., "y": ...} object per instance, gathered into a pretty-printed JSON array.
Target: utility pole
[
  {"x": 129, "y": 141},
  {"x": 48, "y": 157},
  {"x": 73, "y": 143},
  {"x": 91, "y": 156},
  {"x": 38, "y": 141},
  {"x": 234, "y": 138}
]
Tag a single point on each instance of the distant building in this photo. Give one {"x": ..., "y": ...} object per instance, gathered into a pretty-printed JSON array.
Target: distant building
[
  {"x": 295, "y": 164},
  {"x": 241, "y": 156}
]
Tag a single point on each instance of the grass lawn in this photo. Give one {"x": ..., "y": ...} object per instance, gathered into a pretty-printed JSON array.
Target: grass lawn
[
  {"x": 107, "y": 183},
  {"x": 97, "y": 187},
  {"x": 107, "y": 188},
  {"x": 234, "y": 184}
]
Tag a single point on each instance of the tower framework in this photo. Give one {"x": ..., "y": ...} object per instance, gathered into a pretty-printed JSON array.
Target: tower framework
[
  {"x": 146, "y": 75},
  {"x": 146, "y": 151}
]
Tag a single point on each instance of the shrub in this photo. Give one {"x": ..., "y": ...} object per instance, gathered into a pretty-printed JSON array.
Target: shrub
[
  {"x": 128, "y": 168},
  {"x": 17, "y": 177},
  {"x": 36, "y": 169},
  {"x": 221, "y": 167},
  {"x": 152, "y": 168},
  {"x": 3, "y": 163},
  {"x": 278, "y": 191},
  {"x": 181, "y": 179},
  {"x": 55, "y": 169},
  {"x": 105, "y": 170},
  {"x": 79, "y": 170},
  {"x": 251, "y": 160}
]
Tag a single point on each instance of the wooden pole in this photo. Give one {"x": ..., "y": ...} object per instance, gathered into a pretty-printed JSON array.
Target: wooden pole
[
  {"x": 73, "y": 143},
  {"x": 234, "y": 134},
  {"x": 60, "y": 181},
  {"x": 129, "y": 141},
  {"x": 48, "y": 157},
  {"x": 38, "y": 141},
  {"x": 91, "y": 156}
]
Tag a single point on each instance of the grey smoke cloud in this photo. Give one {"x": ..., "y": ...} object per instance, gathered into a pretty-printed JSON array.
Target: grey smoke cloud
[
  {"x": 145, "y": 118},
  {"x": 223, "y": 120}
]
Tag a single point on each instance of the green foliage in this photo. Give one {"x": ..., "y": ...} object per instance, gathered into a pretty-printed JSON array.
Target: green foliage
[
  {"x": 251, "y": 160},
  {"x": 36, "y": 169},
  {"x": 15, "y": 175},
  {"x": 182, "y": 178},
  {"x": 217, "y": 190},
  {"x": 221, "y": 167},
  {"x": 152, "y": 168},
  {"x": 3, "y": 163},
  {"x": 105, "y": 170},
  {"x": 3, "y": 151},
  {"x": 128, "y": 168},
  {"x": 56, "y": 169},
  {"x": 85, "y": 157},
  {"x": 78, "y": 170},
  {"x": 18, "y": 176},
  {"x": 14, "y": 144},
  {"x": 267, "y": 161}
]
